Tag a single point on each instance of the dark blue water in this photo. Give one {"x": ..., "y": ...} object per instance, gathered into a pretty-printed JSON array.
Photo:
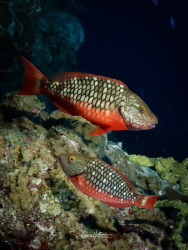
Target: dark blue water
[{"x": 145, "y": 46}]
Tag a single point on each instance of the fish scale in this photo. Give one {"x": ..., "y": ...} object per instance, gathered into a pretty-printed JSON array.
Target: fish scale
[
  {"x": 99, "y": 180},
  {"x": 105, "y": 102},
  {"x": 95, "y": 173},
  {"x": 92, "y": 104},
  {"x": 83, "y": 88}
]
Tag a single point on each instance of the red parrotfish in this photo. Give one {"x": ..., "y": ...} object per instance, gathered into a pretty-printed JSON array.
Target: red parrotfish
[
  {"x": 105, "y": 102},
  {"x": 99, "y": 180}
]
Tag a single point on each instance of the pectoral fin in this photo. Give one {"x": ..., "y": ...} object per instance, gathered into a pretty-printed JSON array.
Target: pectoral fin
[{"x": 61, "y": 108}]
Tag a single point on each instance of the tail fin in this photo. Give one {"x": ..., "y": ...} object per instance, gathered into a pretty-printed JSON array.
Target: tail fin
[
  {"x": 32, "y": 79},
  {"x": 147, "y": 201}
]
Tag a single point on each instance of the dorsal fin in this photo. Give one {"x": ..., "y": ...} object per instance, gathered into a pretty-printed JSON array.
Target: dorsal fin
[{"x": 67, "y": 75}]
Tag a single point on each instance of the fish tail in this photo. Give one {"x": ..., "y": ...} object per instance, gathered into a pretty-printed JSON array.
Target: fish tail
[
  {"x": 32, "y": 79},
  {"x": 148, "y": 201}
]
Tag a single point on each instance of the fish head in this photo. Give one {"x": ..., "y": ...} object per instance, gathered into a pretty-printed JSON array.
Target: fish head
[
  {"x": 136, "y": 113},
  {"x": 72, "y": 164}
]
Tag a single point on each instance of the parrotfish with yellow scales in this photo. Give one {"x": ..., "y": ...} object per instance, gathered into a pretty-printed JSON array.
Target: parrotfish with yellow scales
[
  {"x": 99, "y": 180},
  {"x": 105, "y": 102}
]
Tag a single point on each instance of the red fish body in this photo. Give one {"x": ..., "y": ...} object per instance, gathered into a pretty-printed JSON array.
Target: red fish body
[
  {"x": 99, "y": 180},
  {"x": 105, "y": 102}
]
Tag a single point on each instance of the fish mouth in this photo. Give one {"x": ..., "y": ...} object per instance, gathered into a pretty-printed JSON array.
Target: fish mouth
[
  {"x": 60, "y": 160},
  {"x": 151, "y": 125}
]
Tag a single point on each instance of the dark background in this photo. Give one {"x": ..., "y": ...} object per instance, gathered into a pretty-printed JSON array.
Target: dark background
[{"x": 134, "y": 41}]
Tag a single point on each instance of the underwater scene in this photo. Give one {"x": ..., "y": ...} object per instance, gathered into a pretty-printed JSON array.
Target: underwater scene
[{"x": 93, "y": 125}]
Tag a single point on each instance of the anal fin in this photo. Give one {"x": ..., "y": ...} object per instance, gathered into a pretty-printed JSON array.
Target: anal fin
[
  {"x": 61, "y": 108},
  {"x": 116, "y": 204}
]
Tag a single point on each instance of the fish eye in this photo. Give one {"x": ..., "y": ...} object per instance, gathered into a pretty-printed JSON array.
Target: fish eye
[
  {"x": 72, "y": 159},
  {"x": 142, "y": 109}
]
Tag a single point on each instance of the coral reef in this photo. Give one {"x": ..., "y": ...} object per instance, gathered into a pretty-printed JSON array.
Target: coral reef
[
  {"x": 182, "y": 218},
  {"x": 168, "y": 169},
  {"x": 45, "y": 210},
  {"x": 175, "y": 172},
  {"x": 39, "y": 207},
  {"x": 28, "y": 28},
  {"x": 17, "y": 35},
  {"x": 56, "y": 42},
  {"x": 30, "y": 107},
  {"x": 35, "y": 193}
]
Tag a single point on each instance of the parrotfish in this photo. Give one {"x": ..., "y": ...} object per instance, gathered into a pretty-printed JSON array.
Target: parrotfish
[
  {"x": 105, "y": 102},
  {"x": 102, "y": 181}
]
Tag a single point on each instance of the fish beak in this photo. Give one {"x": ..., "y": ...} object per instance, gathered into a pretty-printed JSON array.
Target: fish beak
[{"x": 152, "y": 125}]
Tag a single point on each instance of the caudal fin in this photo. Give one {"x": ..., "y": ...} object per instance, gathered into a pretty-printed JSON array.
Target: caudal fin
[
  {"x": 148, "y": 201},
  {"x": 32, "y": 79}
]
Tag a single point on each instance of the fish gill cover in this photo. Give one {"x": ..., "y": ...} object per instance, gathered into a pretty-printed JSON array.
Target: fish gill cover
[{"x": 39, "y": 207}]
